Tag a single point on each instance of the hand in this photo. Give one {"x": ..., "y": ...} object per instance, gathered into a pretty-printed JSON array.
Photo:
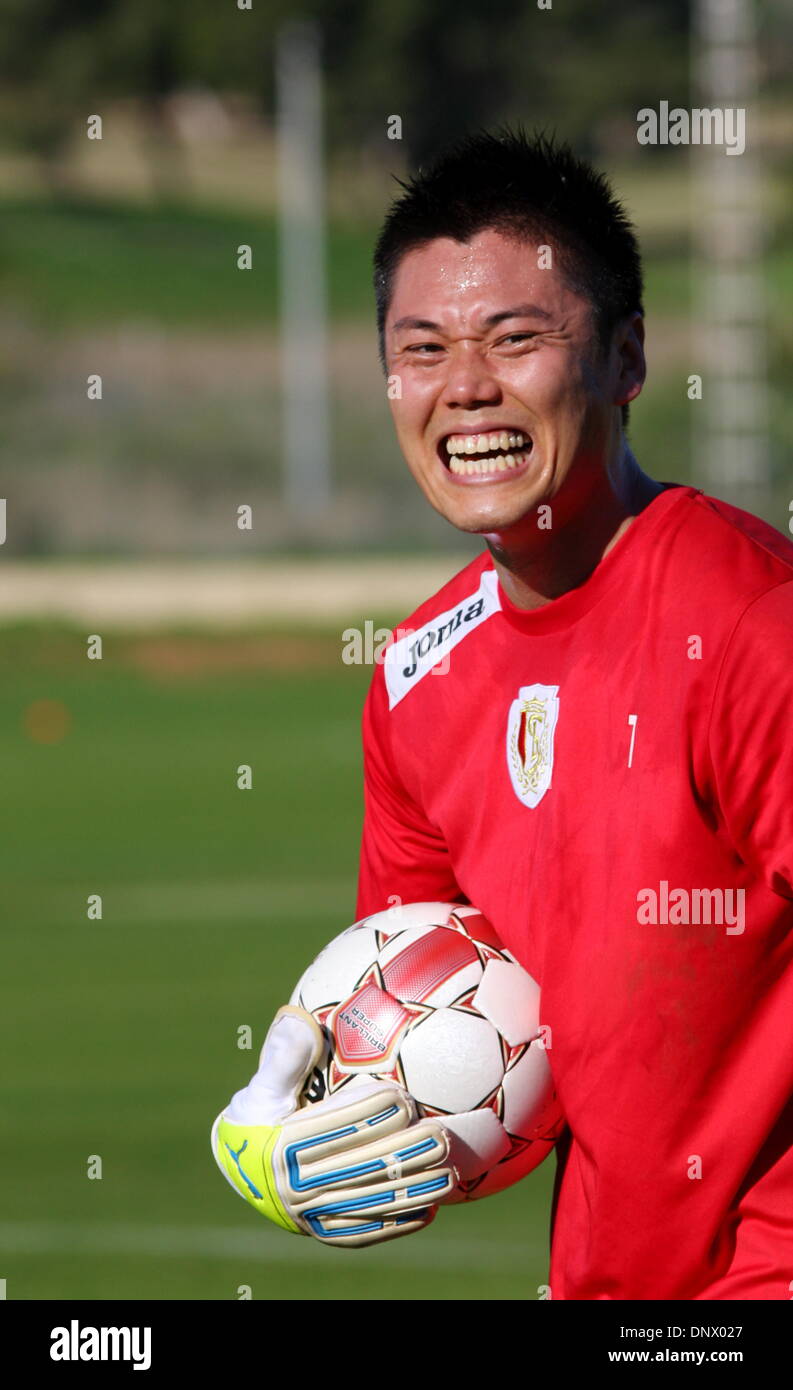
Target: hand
[{"x": 354, "y": 1169}]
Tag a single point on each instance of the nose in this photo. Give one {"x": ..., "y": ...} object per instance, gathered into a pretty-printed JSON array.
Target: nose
[{"x": 470, "y": 381}]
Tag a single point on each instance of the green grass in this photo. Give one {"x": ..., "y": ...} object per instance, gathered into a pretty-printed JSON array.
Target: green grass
[
  {"x": 82, "y": 262},
  {"x": 120, "y": 1034}
]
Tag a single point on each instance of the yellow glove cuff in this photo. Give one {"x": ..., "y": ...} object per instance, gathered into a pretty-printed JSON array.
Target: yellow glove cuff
[{"x": 244, "y": 1154}]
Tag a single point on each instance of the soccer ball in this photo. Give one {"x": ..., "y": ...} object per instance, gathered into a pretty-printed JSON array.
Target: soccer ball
[{"x": 426, "y": 995}]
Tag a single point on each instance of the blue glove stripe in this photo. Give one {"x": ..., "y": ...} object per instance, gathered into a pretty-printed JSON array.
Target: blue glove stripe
[
  {"x": 431, "y": 1186},
  {"x": 328, "y": 1134},
  {"x": 315, "y": 1215},
  {"x": 319, "y": 1229},
  {"x": 384, "y": 1115},
  {"x": 301, "y": 1184},
  {"x": 420, "y": 1148},
  {"x": 417, "y": 1215},
  {"x": 352, "y": 1204}
]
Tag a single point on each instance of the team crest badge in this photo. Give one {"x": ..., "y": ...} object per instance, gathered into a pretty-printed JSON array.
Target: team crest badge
[{"x": 530, "y": 732}]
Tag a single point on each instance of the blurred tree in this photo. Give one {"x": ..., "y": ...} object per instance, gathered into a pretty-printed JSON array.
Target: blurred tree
[
  {"x": 450, "y": 66},
  {"x": 47, "y": 62},
  {"x": 61, "y": 59},
  {"x": 458, "y": 64}
]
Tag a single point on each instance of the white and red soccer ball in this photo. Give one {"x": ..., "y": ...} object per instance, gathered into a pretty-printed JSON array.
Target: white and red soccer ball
[{"x": 426, "y": 995}]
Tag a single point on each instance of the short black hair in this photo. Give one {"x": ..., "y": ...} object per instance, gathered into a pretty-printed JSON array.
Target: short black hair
[{"x": 529, "y": 187}]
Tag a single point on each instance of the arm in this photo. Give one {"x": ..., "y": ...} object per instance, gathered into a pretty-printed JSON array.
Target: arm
[
  {"x": 404, "y": 857},
  {"x": 750, "y": 738}
]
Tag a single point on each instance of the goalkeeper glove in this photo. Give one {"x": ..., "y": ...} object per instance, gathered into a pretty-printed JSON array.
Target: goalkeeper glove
[{"x": 354, "y": 1169}]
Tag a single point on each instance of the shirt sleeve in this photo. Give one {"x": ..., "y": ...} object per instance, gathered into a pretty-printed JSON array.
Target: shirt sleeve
[
  {"x": 751, "y": 738},
  {"x": 404, "y": 858}
]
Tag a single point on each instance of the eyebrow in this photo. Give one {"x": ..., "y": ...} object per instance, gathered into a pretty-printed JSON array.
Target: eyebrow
[{"x": 520, "y": 311}]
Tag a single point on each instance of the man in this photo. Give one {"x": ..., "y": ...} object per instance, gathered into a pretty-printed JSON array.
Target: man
[{"x": 585, "y": 733}]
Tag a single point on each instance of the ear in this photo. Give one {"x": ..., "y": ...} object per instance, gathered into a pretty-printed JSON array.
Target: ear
[{"x": 628, "y": 356}]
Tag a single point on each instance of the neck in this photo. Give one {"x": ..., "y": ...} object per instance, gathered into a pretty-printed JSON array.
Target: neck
[{"x": 536, "y": 566}]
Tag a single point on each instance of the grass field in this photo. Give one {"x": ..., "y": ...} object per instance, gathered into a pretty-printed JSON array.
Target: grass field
[
  {"x": 120, "y": 1034},
  {"x": 80, "y": 261}
]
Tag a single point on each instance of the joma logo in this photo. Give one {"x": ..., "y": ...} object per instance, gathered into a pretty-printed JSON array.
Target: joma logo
[
  {"x": 438, "y": 637},
  {"x": 420, "y": 651}
]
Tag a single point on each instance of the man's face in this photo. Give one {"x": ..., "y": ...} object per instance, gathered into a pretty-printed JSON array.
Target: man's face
[{"x": 507, "y": 397}]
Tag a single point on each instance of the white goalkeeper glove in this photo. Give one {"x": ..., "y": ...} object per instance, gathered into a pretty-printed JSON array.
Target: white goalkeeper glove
[{"x": 354, "y": 1169}]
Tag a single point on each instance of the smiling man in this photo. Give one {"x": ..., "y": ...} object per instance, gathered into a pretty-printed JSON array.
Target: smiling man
[
  {"x": 586, "y": 733},
  {"x": 610, "y": 715},
  {"x": 501, "y": 410}
]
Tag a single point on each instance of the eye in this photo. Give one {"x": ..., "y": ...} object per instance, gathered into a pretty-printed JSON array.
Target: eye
[
  {"x": 424, "y": 348},
  {"x": 517, "y": 337}
]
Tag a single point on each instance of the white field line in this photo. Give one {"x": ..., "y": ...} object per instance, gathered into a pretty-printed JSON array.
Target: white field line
[
  {"x": 425, "y": 1250},
  {"x": 191, "y": 901},
  {"x": 142, "y": 594}
]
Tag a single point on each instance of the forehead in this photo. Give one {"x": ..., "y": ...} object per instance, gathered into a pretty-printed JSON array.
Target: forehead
[{"x": 457, "y": 282}]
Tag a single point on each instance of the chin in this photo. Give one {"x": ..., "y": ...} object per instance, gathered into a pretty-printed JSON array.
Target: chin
[{"x": 493, "y": 523}]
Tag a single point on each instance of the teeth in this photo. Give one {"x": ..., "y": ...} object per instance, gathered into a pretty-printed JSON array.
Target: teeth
[
  {"x": 484, "y": 443},
  {"x": 491, "y": 465}
]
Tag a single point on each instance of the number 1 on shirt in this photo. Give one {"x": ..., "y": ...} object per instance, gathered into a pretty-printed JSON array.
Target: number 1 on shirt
[{"x": 632, "y": 721}]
